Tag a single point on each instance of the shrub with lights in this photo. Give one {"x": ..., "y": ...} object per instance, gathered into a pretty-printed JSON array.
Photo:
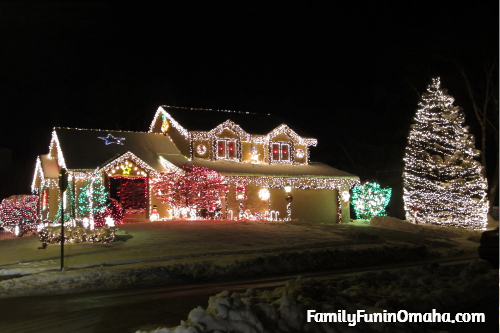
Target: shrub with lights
[
  {"x": 195, "y": 188},
  {"x": 19, "y": 214},
  {"x": 370, "y": 200},
  {"x": 52, "y": 235},
  {"x": 443, "y": 182},
  {"x": 113, "y": 210}
]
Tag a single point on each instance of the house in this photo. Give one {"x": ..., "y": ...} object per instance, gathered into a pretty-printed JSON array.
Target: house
[{"x": 266, "y": 163}]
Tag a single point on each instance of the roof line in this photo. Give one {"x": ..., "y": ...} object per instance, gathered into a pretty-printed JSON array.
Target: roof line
[
  {"x": 100, "y": 130},
  {"x": 214, "y": 110}
]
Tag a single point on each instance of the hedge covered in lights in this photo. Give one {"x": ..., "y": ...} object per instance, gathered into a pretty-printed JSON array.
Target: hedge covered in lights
[
  {"x": 21, "y": 212},
  {"x": 370, "y": 200},
  {"x": 52, "y": 235}
]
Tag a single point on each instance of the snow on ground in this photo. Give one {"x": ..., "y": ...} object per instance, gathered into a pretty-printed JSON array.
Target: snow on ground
[
  {"x": 169, "y": 252},
  {"x": 284, "y": 309}
]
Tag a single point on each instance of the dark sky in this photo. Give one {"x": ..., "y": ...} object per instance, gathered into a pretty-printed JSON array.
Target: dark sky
[{"x": 348, "y": 72}]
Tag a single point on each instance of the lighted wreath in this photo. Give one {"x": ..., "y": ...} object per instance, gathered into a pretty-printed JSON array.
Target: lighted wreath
[{"x": 201, "y": 149}]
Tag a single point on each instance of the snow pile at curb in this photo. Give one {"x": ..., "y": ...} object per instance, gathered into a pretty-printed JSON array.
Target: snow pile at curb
[
  {"x": 284, "y": 309},
  {"x": 155, "y": 273},
  {"x": 397, "y": 224}
]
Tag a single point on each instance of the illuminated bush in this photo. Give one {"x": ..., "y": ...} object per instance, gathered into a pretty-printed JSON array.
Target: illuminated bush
[
  {"x": 52, "y": 235},
  {"x": 370, "y": 200},
  {"x": 19, "y": 212}
]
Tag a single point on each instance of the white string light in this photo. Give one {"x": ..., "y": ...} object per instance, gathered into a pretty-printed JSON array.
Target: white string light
[{"x": 443, "y": 183}]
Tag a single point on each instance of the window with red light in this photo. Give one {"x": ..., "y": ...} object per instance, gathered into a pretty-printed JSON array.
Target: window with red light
[
  {"x": 221, "y": 148},
  {"x": 227, "y": 149},
  {"x": 280, "y": 152}
]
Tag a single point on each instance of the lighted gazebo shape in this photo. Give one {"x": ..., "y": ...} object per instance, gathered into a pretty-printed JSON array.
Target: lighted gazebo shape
[{"x": 127, "y": 179}]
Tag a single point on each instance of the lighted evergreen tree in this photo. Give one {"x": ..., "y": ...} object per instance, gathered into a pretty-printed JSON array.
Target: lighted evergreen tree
[
  {"x": 443, "y": 183},
  {"x": 93, "y": 197},
  {"x": 69, "y": 210},
  {"x": 195, "y": 188}
]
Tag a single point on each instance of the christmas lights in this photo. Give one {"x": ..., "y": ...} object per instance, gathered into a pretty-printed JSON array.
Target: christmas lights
[
  {"x": 54, "y": 143},
  {"x": 52, "y": 235},
  {"x": 132, "y": 193},
  {"x": 110, "y": 139},
  {"x": 201, "y": 149},
  {"x": 69, "y": 211},
  {"x": 38, "y": 174},
  {"x": 172, "y": 122},
  {"x": 264, "y": 194},
  {"x": 196, "y": 188},
  {"x": 92, "y": 198},
  {"x": 227, "y": 125},
  {"x": 129, "y": 160},
  {"x": 254, "y": 155},
  {"x": 279, "y": 152},
  {"x": 230, "y": 148},
  {"x": 443, "y": 183},
  {"x": 169, "y": 166},
  {"x": 165, "y": 125},
  {"x": 227, "y": 141},
  {"x": 302, "y": 183},
  {"x": 227, "y": 149},
  {"x": 113, "y": 210},
  {"x": 370, "y": 200},
  {"x": 21, "y": 212},
  {"x": 241, "y": 191},
  {"x": 154, "y": 216}
]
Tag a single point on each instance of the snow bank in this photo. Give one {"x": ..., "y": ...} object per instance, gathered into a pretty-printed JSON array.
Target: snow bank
[
  {"x": 155, "y": 273},
  {"x": 284, "y": 309},
  {"x": 397, "y": 224}
]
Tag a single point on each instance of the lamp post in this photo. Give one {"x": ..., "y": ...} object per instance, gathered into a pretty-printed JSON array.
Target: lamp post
[
  {"x": 288, "y": 198},
  {"x": 63, "y": 184}
]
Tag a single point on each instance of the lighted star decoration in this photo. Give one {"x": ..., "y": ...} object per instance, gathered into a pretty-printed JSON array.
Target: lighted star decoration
[
  {"x": 110, "y": 222},
  {"x": 110, "y": 139},
  {"x": 126, "y": 170}
]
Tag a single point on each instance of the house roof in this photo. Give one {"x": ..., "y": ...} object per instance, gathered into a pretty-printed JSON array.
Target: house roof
[
  {"x": 314, "y": 169},
  {"x": 194, "y": 119},
  {"x": 87, "y": 150}
]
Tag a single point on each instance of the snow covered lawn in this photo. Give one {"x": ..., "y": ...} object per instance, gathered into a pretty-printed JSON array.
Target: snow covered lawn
[
  {"x": 284, "y": 309},
  {"x": 165, "y": 252}
]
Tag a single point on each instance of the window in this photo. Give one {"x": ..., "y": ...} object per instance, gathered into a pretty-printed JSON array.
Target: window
[
  {"x": 280, "y": 152},
  {"x": 227, "y": 149}
]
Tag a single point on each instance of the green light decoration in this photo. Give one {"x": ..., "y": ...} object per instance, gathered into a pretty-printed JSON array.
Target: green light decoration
[
  {"x": 99, "y": 197},
  {"x": 69, "y": 208},
  {"x": 370, "y": 200}
]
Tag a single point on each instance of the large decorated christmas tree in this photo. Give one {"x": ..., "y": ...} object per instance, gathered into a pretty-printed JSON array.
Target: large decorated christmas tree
[{"x": 443, "y": 183}]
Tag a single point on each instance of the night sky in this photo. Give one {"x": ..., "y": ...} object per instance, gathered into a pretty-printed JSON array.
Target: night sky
[{"x": 349, "y": 73}]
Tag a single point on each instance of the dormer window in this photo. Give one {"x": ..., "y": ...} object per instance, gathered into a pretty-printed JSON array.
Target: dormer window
[
  {"x": 280, "y": 152},
  {"x": 227, "y": 149}
]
